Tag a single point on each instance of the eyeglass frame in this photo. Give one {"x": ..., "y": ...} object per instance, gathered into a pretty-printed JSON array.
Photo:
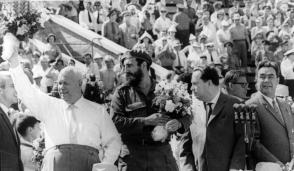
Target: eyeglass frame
[{"x": 243, "y": 84}]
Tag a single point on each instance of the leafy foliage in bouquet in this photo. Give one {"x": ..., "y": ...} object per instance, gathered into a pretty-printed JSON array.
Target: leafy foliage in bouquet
[
  {"x": 24, "y": 24},
  {"x": 172, "y": 98},
  {"x": 39, "y": 146}
]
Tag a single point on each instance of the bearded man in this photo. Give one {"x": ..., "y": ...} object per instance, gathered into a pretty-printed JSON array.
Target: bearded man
[{"x": 135, "y": 118}]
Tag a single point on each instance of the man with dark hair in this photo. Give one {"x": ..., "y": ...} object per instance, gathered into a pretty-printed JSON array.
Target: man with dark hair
[
  {"x": 235, "y": 84},
  {"x": 217, "y": 143},
  {"x": 135, "y": 118},
  {"x": 9, "y": 144},
  {"x": 29, "y": 129},
  {"x": 274, "y": 118}
]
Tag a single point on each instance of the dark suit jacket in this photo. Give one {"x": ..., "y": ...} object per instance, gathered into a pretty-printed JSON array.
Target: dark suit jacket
[
  {"x": 276, "y": 142},
  {"x": 225, "y": 148},
  {"x": 9, "y": 146}
]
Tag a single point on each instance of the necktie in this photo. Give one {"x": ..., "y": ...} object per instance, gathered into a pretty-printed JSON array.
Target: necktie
[
  {"x": 73, "y": 126},
  {"x": 211, "y": 58},
  {"x": 277, "y": 111},
  {"x": 98, "y": 18},
  {"x": 179, "y": 61},
  {"x": 113, "y": 29},
  {"x": 208, "y": 107},
  {"x": 89, "y": 17}
]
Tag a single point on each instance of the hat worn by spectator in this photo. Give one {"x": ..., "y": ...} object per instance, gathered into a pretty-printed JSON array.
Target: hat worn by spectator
[
  {"x": 228, "y": 43},
  {"x": 220, "y": 12},
  {"x": 177, "y": 43},
  {"x": 181, "y": 6},
  {"x": 172, "y": 29},
  {"x": 163, "y": 8},
  {"x": 259, "y": 33},
  {"x": 146, "y": 35},
  {"x": 202, "y": 36},
  {"x": 192, "y": 37},
  {"x": 51, "y": 35},
  {"x": 108, "y": 58},
  {"x": 126, "y": 14},
  {"x": 209, "y": 44},
  {"x": 98, "y": 56},
  {"x": 289, "y": 52},
  {"x": 225, "y": 23},
  {"x": 217, "y": 3}
]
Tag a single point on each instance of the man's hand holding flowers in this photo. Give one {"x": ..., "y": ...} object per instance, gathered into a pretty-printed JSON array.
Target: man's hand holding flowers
[
  {"x": 173, "y": 125},
  {"x": 156, "y": 119}
]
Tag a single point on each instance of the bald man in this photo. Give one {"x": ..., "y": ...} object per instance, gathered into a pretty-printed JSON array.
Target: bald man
[
  {"x": 75, "y": 128},
  {"x": 9, "y": 144}
]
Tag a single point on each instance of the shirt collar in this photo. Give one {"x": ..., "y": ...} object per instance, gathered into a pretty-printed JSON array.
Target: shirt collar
[
  {"x": 77, "y": 104},
  {"x": 4, "y": 108},
  {"x": 215, "y": 99},
  {"x": 268, "y": 99}
]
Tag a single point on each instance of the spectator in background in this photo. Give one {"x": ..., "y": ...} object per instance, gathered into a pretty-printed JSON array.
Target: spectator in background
[
  {"x": 99, "y": 17},
  {"x": 29, "y": 128},
  {"x": 110, "y": 28},
  {"x": 240, "y": 37},
  {"x": 91, "y": 67},
  {"x": 98, "y": 59},
  {"x": 235, "y": 84},
  {"x": 86, "y": 18},
  {"x": 129, "y": 32},
  {"x": 52, "y": 49},
  {"x": 183, "y": 25},
  {"x": 287, "y": 71},
  {"x": 72, "y": 62},
  {"x": 190, "y": 11},
  {"x": 36, "y": 57},
  {"x": 145, "y": 43},
  {"x": 108, "y": 76},
  {"x": 161, "y": 23},
  {"x": 42, "y": 66},
  {"x": 180, "y": 63}
]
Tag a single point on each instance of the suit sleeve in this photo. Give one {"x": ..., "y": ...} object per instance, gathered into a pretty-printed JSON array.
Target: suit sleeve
[
  {"x": 123, "y": 123},
  {"x": 186, "y": 157},
  {"x": 259, "y": 150}
]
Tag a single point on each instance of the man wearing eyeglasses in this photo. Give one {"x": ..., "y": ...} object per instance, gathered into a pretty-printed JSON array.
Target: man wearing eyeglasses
[
  {"x": 274, "y": 119},
  {"x": 235, "y": 84}
]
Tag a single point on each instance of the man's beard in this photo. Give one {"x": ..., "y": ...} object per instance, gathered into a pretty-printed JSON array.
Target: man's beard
[{"x": 134, "y": 78}]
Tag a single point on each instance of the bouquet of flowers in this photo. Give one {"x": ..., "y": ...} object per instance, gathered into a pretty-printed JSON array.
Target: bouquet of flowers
[
  {"x": 21, "y": 25},
  {"x": 39, "y": 146},
  {"x": 172, "y": 99}
]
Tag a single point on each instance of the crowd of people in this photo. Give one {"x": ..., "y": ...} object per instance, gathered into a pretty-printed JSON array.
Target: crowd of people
[{"x": 104, "y": 117}]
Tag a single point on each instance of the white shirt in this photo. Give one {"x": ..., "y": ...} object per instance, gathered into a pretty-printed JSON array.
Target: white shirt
[
  {"x": 5, "y": 109},
  {"x": 84, "y": 19},
  {"x": 183, "y": 59},
  {"x": 287, "y": 69},
  {"x": 198, "y": 127},
  {"x": 102, "y": 19},
  {"x": 94, "y": 126}
]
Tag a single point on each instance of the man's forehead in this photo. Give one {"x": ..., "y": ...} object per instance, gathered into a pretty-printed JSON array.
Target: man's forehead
[{"x": 266, "y": 70}]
